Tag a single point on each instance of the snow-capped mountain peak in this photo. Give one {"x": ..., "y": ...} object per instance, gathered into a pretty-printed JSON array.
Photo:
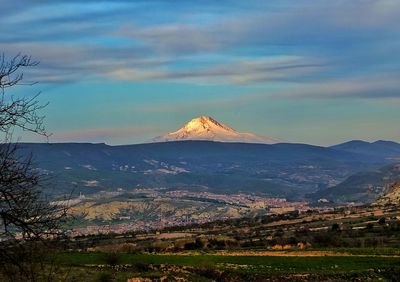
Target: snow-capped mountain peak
[
  {"x": 205, "y": 123},
  {"x": 207, "y": 128}
]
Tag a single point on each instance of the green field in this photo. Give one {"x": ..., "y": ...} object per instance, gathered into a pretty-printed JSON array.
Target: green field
[{"x": 253, "y": 264}]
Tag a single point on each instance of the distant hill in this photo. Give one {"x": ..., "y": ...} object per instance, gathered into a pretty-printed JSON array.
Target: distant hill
[
  {"x": 386, "y": 149},
  {"x": 364, "y": 187},
  {"x": 278, "y": 170}
]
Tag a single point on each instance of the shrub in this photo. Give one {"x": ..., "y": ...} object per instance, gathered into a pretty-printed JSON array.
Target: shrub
[
  {"x": 104, "y": 277},
  {"x": 141, "y": 267},
  {"x": 112, "y": 258},
  {"x": 335, "y": 227}
]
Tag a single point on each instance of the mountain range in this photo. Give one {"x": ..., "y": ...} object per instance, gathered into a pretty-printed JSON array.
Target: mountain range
[
  {"x": 380, "y": 148},
  {"x": 277, "y": 170}
]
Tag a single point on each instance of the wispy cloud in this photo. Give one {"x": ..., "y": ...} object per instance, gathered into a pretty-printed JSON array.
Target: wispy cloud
[
  {"x": 242, "y": 71},
  {"x": 101, "y": 134},
  {"x": 370, "y": 87},
  {"x": 214, "y": 42}
]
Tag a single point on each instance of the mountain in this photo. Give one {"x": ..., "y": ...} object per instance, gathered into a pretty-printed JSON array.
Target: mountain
[
  {"x": 387, "y": 149},
  {"x": 207, "y": 128},
  {"x": 277, "y": 170},
  {"x": 391, "y": 195},
  {"x": 364, "y": 187}
]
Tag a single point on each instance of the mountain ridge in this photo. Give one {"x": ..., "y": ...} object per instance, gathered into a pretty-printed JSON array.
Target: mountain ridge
[{"x": 277, "y": 170}]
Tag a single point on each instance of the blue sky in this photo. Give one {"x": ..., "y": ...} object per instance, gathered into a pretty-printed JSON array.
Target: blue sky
[{"x": 120, "y": 72}]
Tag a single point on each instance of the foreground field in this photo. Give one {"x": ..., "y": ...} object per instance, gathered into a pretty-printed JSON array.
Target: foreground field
[
  {"x": 235, "y": 267},
  {"x": 343, "y": 244}
]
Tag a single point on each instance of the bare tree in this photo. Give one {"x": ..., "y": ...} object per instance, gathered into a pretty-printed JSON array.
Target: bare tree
[{"x": 27, "y": 219}]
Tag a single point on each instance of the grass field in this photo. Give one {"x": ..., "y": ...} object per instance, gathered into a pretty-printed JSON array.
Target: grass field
[{"x": 253, "y": 264}]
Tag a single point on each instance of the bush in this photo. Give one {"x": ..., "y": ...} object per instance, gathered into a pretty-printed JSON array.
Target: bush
[
  {"x": 112, "y": 258},
  {"x": 391, "y": 274},
  {"x": 141, "y": 267},
  {"x": 209, "y": 273},
  {"x": 104, "y": 277},
  {"x": 382, "y": 221},
  {"x": 335, "y": 227},
  {"x": 194, "y": 245}
]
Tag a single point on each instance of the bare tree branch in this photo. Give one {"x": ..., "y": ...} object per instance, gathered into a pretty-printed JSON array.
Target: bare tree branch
[
  {"x": 18, "y": 112},
  {"x": 27, "y": 219}
]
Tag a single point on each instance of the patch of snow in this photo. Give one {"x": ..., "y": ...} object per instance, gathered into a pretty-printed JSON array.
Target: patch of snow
[
  {"x": 151, "y": 162},
  {"x": 89, "y": 167},
  {"x": 91, "y": 183}
]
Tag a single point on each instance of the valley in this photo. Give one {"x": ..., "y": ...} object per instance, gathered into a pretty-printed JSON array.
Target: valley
[{"x": 152, "y": 209}]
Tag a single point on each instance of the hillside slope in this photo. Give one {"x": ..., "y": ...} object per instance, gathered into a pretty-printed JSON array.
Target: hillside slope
[
  {"x": 364, "y": 187},
  {"x": 391, "y": 195}
]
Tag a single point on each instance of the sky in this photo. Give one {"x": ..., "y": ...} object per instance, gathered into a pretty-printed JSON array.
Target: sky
[{"x": 121, "y": 72}]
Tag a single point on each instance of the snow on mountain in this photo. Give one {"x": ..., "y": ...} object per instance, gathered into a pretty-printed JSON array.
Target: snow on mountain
[{"x": 207, "y": 128}]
